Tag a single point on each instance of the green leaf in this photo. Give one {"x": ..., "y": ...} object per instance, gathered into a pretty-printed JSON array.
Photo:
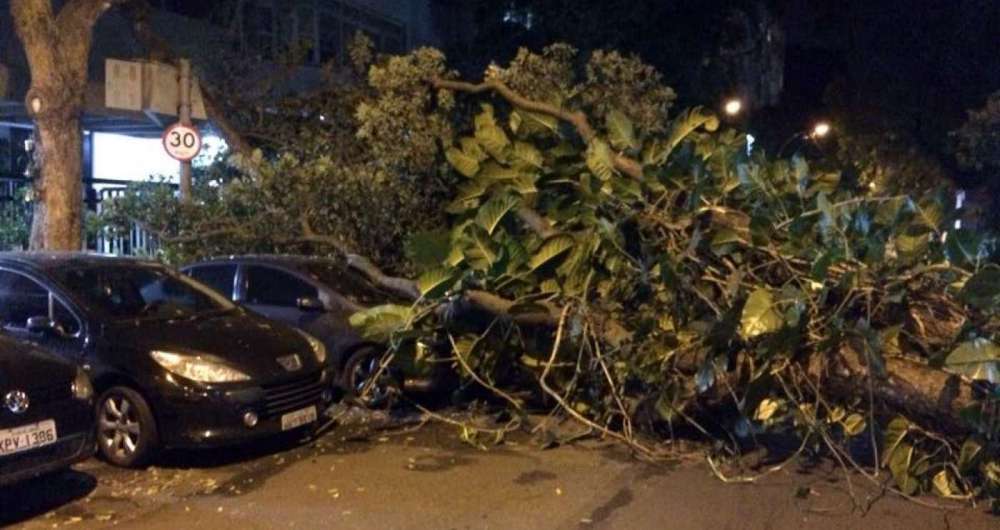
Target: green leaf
[
  {"x": 472, "y": 148},
  {"x": 491, "y": 213},
  {"x": 600, "y": 159},
  {"x": 976, "y": 359},
  {"x": 480, "y": 253},
  {"x": 967, "y": 456},
  {"x": 899, "y": 464},
  {"x": 982, "y": 291},
  {"x": 534, "y": 122},
  {"x": 759, "y": 315},
  {"x": 944, "y": 486},
  {"x": 928, "y": 213},
  {"x": 685, "y": 124},
  {"x": 490, "y": 135},
  {"x": 621, "y": 132},
  {"x": 528, "y": 154},
  {"x": 380, "y": 322},
  {"x": 462, "y": 162},
  {"x": 552, "y": 248},
  {"x": 854, "y": 424},
  {"x": 435, "y": 282},
  {"x": 894, "y": 435},
  {"x": 428, "y": 249},
  {"x": 767, "y": 409}
]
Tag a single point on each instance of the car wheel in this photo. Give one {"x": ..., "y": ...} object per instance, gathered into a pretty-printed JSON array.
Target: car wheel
[
  {"x": 360, "y": 368},
  {"x": 126, "y": 429}
]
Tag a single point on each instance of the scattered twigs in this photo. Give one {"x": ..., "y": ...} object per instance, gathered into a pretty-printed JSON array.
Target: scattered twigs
[{"x": 516, "y": 403}]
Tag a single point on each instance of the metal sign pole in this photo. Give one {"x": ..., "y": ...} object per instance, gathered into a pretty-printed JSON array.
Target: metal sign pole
[{"x": 185, "y": 119}]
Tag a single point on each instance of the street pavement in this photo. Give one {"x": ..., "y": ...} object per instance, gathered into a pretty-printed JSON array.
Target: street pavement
[{"x": 393, "y": 474}]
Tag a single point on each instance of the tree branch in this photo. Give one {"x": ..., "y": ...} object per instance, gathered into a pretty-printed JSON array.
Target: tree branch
[
  {"x": 577, "y": 119},
  {"x": 160, "y": 49}
]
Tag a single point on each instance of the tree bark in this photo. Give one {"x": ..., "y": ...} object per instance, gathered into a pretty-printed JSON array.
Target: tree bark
[{"x": 57, "y": 47}]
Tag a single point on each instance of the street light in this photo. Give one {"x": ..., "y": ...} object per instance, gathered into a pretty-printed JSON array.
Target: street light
[
  {"x": 733, "y": 106},
  {"x": 821, "y": 129}
]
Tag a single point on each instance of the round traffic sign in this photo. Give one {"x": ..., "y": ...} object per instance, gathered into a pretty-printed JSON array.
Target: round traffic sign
[{"x": 182, "y": 142}]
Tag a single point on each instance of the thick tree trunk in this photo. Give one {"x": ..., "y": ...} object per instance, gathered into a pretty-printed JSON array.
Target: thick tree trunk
[
  {"x": 57, "y": 46},
  {"x": 58, "y": 215}
]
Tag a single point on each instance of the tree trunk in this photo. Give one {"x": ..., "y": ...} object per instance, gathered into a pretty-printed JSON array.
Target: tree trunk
[
  {"x": 57, "y": 47},
  {"x": 58, "y": 215}
]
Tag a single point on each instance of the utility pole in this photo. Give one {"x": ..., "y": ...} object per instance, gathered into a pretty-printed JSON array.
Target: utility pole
[{"x": 185, "y": 119}]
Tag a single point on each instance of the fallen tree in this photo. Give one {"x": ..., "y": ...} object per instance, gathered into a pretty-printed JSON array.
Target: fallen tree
[{"x": 647, "y": 273}]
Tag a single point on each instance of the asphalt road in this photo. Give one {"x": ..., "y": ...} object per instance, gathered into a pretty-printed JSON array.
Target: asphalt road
[{"x": 390, "y": 475}]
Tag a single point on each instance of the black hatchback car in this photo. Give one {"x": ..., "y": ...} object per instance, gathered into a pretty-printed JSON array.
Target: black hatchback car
[
  {"x": 318, "y": 295},
  {"x": 173, "y": 363},
  {"x": 46, "y": 412}
]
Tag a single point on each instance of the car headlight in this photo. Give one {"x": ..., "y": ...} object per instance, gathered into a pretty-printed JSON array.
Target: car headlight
[
  {"x": 81, "y": 387},
  {"x": 200, "y": 368},
  {"x": 319, "y": 350}
]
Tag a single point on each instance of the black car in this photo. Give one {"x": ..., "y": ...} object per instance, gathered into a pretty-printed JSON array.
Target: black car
[
  {"x": 318, "y": 295},
  {"x": 46, "y": 412},
  {"x": 173, "y": 363}
]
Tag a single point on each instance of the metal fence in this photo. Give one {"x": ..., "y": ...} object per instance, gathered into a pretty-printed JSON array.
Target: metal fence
[
  {"x": 137, "y": 242},
  {"x": 15, "y": 215}
]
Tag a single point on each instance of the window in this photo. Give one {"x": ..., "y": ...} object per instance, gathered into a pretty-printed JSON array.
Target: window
[
  {"x": 140, "y": 292},
  {"x": 267, "y": 286},
  {"x": 348, "y": 284},
  {"x": 22, "y": 298},
  {"x": 218, "y": 277}
]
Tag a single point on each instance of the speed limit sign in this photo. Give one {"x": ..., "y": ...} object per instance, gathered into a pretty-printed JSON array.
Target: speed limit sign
[{"x": 182, "y": 142}]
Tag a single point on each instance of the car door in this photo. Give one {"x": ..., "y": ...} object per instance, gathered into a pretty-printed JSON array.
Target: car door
[
  {"x": 220, "y": 277},
  {"x": 275, "y": 293},
  {"x": 23, "y": 297}
]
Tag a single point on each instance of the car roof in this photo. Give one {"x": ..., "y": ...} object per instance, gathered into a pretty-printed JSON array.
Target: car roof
[
  {"x": 54, "y": 260},
  {"x": 287, "y": 260}
]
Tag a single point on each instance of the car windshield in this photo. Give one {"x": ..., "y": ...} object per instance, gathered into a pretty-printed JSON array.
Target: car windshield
[
  {"x": 348, "y": 283},
  {"x": 138, "y": 291}
]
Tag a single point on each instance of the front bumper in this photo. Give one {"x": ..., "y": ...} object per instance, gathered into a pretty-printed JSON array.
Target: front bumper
[
  {"x": 65, "y": 452},
  {"x": 212, "y": 417}
]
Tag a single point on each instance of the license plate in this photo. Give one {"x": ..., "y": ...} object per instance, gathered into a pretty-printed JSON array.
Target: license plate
[
  {"x": 298, "y": 418},
  {"x": 27, "y": 437}
]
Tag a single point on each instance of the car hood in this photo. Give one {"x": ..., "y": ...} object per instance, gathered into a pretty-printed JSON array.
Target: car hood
[
  {"x": 24, "y": 366},
  {"x": 246, "y": 342}
]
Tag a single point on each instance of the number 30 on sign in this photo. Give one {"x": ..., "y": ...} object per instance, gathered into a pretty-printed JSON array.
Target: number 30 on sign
[{"x": 182, "y": 142}]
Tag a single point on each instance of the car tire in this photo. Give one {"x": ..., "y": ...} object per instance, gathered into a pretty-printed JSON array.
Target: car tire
[
  {"x": 360, "y": 367},
  {"x": 126, "y": 429}
]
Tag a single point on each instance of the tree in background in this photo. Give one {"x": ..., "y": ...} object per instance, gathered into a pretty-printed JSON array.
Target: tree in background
[
  {"x": 303, "y": 180},
  {"x": 706, "y": 49},
  {"x": 57, "y": 45},
  {"x": 977, "y": 148}
]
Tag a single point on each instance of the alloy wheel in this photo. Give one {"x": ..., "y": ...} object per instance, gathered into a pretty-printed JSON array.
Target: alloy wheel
[
  {"x": 119, "y": 428},
  {"x": 380, "y": 390}
]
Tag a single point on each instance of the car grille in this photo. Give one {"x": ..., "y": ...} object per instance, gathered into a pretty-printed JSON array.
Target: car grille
[
  {"x": 294, "y": 395},
  {"x": 62, "y": 450}
]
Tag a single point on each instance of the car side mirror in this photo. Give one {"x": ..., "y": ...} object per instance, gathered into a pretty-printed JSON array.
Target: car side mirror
[
  {"x": 44, "y": 326},
  {"x": 309, "y": 303}
]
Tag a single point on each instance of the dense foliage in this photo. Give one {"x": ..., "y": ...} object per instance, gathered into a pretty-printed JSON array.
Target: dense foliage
[
  {"x": 719, "y": 290},
  {"x": 639, "y": 271}
]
